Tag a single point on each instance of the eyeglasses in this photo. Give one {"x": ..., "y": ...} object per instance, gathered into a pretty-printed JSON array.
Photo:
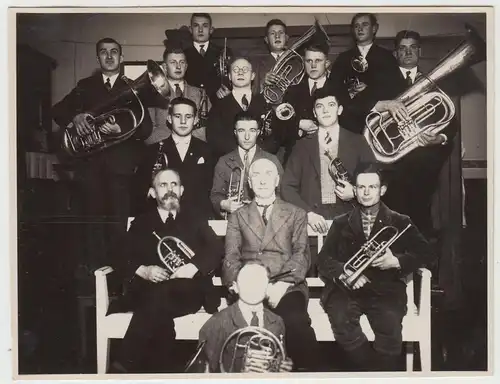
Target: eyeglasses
[
  {"x": 411, "y": 48},
  {"x": 238, "y": 69}
]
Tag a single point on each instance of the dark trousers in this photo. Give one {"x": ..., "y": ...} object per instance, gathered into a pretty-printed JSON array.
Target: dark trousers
[
  {"x": 300, "y": 339},
  {"x": 149, "y": 341},
  {"x": 384, "y": 307}
]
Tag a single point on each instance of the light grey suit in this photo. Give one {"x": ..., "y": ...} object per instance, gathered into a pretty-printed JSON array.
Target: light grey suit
[{"x": 159, "y": 115}]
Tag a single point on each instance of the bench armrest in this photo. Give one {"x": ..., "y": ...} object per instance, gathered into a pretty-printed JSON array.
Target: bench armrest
[
  {"x": 101, "y": 290},
  {"x": 424, "y": 299}
]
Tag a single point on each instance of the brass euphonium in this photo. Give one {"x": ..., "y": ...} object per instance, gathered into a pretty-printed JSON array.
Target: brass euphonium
[
  {"x": 254, "y": 339},
  {"x": 178, "y": 253},
  {"x": 126, "y": 108},
  {"x": 369, "y": 252},
  {"x": 430, "y": 109}
]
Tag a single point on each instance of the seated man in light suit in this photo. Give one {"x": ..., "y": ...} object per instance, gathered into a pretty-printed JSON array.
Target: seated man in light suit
[
  {"x": 175, "y": 66},
  {"x": 275, "y": 233}
]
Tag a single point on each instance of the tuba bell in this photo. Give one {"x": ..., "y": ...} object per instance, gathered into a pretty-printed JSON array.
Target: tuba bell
[
  {"x": 430, "y": 109},
  {"x": 178, "y": 253},
  {"x": 241, "y": 343},
  {"x": 127, "y": 108},
  {"x": 371, "y": 250}
]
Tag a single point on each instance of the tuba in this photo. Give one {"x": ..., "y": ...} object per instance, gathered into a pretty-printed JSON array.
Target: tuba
[
  {"x": 178, "y": 253},
  {"x": 371, "y": 250},
  {"x": 246, "y": 341},
  {"x": 126, "y": 107},
  {"x": 430, "y": 109}
]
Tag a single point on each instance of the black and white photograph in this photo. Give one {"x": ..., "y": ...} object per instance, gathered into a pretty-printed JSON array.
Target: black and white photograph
[{"x": 261, "y": 192}]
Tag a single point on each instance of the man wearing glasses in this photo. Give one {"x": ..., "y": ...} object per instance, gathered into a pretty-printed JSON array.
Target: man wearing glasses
[{"x": 220, "y": 125}]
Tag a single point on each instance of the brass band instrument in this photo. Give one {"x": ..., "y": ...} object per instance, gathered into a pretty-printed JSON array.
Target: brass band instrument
[
  {"x": 337, "y": 170},
  {"x": 430, "y": 109},
  {"x": 203, "y": 110},
  {"x": 247, "y": 340},
  {"x": 178, "y": 255},
  {"x": 222, "y": 66},
  {"x": 371, "y": 250},
  {"x": 198, "y": 362},
  {"x": 290, "y": 67},
  {"x": 283, "y": 111},
  {"x": 360, "y": 65},
  {"x": 239, "y": 191},
  {"x": 126, "y": 107}
]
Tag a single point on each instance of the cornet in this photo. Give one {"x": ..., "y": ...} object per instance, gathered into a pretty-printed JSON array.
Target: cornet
[
  {"x": 369, "y": 252},
  {"x": 239, "y": 190},
  {"x": 337, "y": 170},
  {"x": 360, "y": 65},
  {"x": 178, "y": 255}
]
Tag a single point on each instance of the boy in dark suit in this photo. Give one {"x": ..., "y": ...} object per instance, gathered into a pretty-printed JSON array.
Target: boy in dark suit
[
  {"x": 380, "y": 292},
  {"x": 203, "y": 57},
  {"x": 156, "y": 296},
  {"x": 251, "y": 286},
  {"x": 104, "y": 178},
  {"x": 275, "y": 232},
  {"x": 188, "y": 155}
]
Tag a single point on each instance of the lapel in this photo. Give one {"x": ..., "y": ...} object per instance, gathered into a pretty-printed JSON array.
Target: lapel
[
  {"x": 313, "y": 150},
  {"x": 383, "y": 218},
  {"x": 237, "y": 317},
  {"x": 191, "y": 154},
  {"x": 174, "y": 160},
  {"x": 233, "y": 159},
  {"x": 279, "y": 216},
  {"x": 254, "y": 220}
]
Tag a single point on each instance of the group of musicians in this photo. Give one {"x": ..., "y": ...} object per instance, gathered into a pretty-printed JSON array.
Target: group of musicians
[{"x": 203, "y": 153}]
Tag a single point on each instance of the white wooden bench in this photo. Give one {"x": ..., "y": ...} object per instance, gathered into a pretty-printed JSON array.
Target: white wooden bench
[{"x": 416, "y": 324}]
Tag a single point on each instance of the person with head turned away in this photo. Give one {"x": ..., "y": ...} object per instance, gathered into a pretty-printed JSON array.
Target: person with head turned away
[
  {"x": 158, "y": 290},
  {"x": 230, "y": 189},
  {"x": 275, "y": 233},
  {"x": 203, "y": 58},
  {"x": 377, "y": 288},
  {"x": 249, "y": 310},
  {"x": 105, "y": 177}
]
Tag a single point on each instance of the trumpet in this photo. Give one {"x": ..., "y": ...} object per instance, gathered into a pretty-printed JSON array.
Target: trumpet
[
  {"x": 257, "y": 339},
  {"x": 179, "y": 254},
  {"x": 239, "y": 190},
  {"x": 337, "y": 170},
  {"x": 360, "y": 65},
  {"x": 369, "y": 252}
]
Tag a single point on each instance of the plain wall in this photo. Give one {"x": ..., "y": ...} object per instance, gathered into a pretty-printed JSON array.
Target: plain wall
[{"x": 70, "y": 40}]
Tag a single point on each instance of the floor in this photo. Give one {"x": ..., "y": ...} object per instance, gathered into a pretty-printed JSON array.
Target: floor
[{"x": 48, "y": 320}]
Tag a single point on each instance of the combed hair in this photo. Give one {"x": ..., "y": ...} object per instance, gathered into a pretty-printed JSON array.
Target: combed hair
[
  {"x": 182, "y": 100},
  {"x": 373, "y": 18},
  {"x": 107, "y": 40},
  {"x": 158, "y": 171},
  {"x": 205, "y": 15},
  {"x": 232, "y": 60},
  {"x": 246, "y": 116},
  {"x": 272, "y": 22},
  {"x": 406, "y": 34},
  {"x": 172, "y": 48},
  {"x": 371, "y": 167}
]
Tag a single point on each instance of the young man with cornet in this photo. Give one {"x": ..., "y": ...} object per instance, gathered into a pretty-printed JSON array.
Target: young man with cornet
[
  {"x": 364, "y": 276},
  {"x": 220, "y": 334}
]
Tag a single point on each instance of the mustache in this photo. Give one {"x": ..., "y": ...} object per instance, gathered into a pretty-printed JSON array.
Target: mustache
[{"x": 170, "y": 195}]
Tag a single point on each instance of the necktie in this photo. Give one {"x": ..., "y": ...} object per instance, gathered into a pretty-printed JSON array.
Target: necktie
[
  {"x": 328, "y": 139},
  {"x": 178, "y": 92},
  {"x": 315, "y": 86},
  {"x": 408, "y": 78},
  {"x": 244, "y": 102},
  {"x": 264, "y": 216},
  {"x": 170, "y": 219},
  {"x": 246, "y": 166},
  {"x": 368, "y": 224},
  {"x": 202, "y": 51},
  {"x": 108, "y": 84},
  {"x": 255, "y": 320}
]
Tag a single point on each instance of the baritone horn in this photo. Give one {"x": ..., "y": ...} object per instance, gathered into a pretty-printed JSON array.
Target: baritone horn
[
  {"x": 430, "y": 109},
  {"x": 177, "y": 253},
  {"x": 243, "y": 342},
  {"x": 369, "y": 252},
  {"x": 127, "y": 108}
]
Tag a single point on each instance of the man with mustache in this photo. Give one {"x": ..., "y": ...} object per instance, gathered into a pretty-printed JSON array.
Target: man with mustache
[
  {"x": 155, "y": 295},
  {"x": 380, "y": 292},
  {"x": 175, "y": 65},
  {"x": 203, "y": 57},
  {"x": 104, "y": 178}
]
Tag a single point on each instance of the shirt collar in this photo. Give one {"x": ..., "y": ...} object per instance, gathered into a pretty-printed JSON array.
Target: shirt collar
[
  {"x": 365, "y": 49},
  {"x": 331, "y": 130},
  {"x": 239, "y": 92},
  {"x": 319, "y": 82},
  {"x": 173, "y": 82},
  {"x": 276, "y": 55},
  {"x": 413, "y": 72},
  {"x": 268, "y": 201},
  {"x": 181, "y": 140},
  {"x": 112, "y": 79},
  {"x": 164, "y": 214},
  {"x": 198, "y": 45},
  {"x": 246, "y": 310},
  {"x": 251, "y": 153}
]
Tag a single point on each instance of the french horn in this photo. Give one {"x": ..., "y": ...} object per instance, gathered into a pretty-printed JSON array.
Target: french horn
[
  {"x": 127, "y": 108},
  {"x": 430, "y": 109}
]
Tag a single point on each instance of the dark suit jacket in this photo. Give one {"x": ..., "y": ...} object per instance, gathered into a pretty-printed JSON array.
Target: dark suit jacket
[
  {"x": 220, "y": 126},
  {"x": 138, "y": 247},
  {"x": 218, "y": 328},
  {"x": 222, "y": 175},
  {"x": 301, "y": 183},
  {"x": 159, "y": 114},
  {"x": 89, "y": 94},
  {"x": 281, "y": 245},
  {"x": 196, "y": 173},
  {"x": 346, "y": 236},
  {"x": 202, "y": 70},
  {"x": 265, "y": 64},
  {"x": 380, "y": 73}
]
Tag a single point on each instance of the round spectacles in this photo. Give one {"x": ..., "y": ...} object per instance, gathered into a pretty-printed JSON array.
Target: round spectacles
[{"x": 238, "y": 69}]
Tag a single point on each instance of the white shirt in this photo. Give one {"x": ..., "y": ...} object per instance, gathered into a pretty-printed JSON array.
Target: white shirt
[
  {"x": 334, "y": 136},
  {"x": 173, "y": 82},
  {"x": 319, "y": 82},
  {"x": 198, "y": 46},
  {"x": 264, "y": 202},
  {"x": 276, "y": 55},
  {"x": 182, "y": 144},
  {"x": 251, "y": 154},
  {"x": 164, "y": 213},
  {"x": 364, "y": 49},
  {"x": 413, "y": 72},
  {"x": 112, "y": 79},
  {"x": 239, "y": 92},
  {"x": 246, "y": 311}
]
